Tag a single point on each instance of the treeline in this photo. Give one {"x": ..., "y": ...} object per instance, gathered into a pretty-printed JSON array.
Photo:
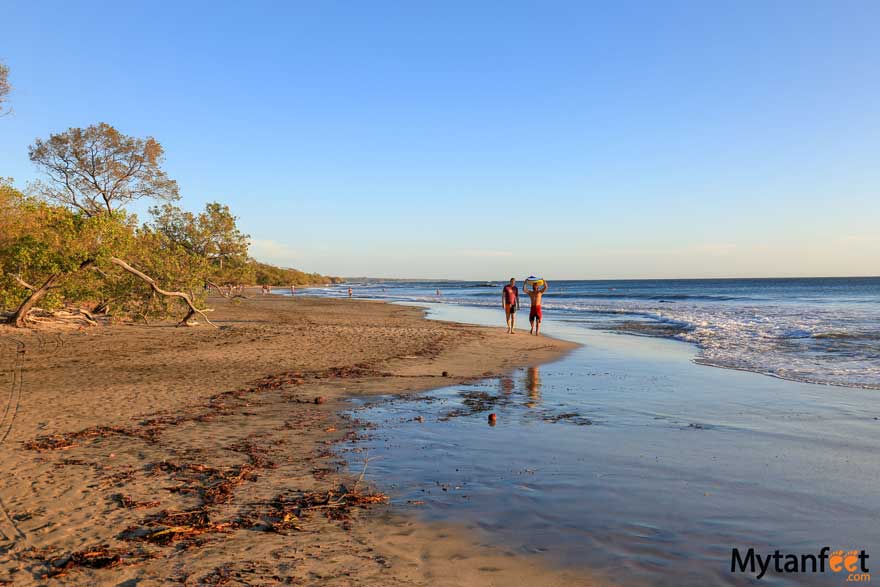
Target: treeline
[
  {"x": 68, "y": 246},
  {"x": 280, "y": 276}
]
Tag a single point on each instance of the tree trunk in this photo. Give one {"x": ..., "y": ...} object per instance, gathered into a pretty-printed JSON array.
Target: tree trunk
[{"x": 19, "y": 318}]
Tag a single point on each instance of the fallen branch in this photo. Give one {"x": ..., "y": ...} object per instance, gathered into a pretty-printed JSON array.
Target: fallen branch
[{"x": 193, "y": 310}]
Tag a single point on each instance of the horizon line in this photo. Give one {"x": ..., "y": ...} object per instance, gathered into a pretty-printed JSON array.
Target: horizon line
[{"x": 615, "y": 278}]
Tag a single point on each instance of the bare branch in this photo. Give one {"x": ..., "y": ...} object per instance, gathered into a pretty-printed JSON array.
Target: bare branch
[
  {"x": 23, "y": 283},
  {"x": 156, "y": 289}
]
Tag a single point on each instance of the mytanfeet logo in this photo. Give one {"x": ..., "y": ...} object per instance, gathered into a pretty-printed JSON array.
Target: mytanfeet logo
[{"x": 849, "y": 563}]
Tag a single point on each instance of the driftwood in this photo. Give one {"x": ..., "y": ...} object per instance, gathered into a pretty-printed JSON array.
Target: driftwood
[
  {"x": 77, "y": 315},
  {"x": 193, "y": 310},
  {"x": 228, "y": 295}
]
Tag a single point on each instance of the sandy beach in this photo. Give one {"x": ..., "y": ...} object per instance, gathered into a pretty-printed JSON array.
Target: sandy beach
[{"x": 142, "y": 455}]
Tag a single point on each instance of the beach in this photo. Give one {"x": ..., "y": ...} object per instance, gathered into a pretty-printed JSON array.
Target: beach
[
  {"x": 153, "y": 454},
  {"x": 314, "y": 440}
]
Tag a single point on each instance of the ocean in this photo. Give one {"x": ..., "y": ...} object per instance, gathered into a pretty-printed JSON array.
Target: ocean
[{"x": 815, "y": 330}]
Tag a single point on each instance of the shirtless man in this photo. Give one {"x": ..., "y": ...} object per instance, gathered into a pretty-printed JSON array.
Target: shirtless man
[
  {"x": 535, "y": 313},
  {"x": 510, "y": 301}
]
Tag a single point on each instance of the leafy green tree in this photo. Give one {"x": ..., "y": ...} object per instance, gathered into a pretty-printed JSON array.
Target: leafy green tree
[
  {"x": 278, "y": 276},
  {"x": 212, "y": 234},
  {"x": 45, "y": 246}
]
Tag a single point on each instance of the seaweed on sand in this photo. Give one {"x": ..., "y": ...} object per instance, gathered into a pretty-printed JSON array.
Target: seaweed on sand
[
  {"x": 96, "y": 557},
  {"x": 169, "y": 526},
  {"x": 286, "y": 511}
]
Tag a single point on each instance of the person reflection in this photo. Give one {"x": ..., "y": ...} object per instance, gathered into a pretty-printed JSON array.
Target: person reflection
[
  {"x": 533, "y": 387},
  {"x": 507, "y": 385}
]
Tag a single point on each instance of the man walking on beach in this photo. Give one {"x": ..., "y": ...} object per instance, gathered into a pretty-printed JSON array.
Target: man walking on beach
[
  {"x": 510, "y": 301},
  {"x": 535, "y": 313}
]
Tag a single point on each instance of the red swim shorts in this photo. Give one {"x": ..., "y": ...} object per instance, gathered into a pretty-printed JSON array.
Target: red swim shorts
[{"x": 536, "y": 312}]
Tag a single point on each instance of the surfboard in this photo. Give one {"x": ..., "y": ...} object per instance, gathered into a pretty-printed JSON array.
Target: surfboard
[{"x": 532, "y": 280}]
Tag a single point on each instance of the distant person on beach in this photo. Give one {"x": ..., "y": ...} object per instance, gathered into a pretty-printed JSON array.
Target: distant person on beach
[
  {"x": 438, "y": 292},
  {"x": 535, "y": 313},
  {"x": 349, "y": 292},
  {"x": 292, "y": 290},
  {"x": 510, "y": 301}
]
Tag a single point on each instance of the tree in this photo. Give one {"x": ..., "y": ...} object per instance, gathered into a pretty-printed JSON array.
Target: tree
[
  {"x": 43, "y": 246},
  {"x": 50, "y": 254},
  {"x": 213, "y": 234},
  {"x": 98, "y": 169},
  {"x": 5, "y": 88},
  {"x": 93, "y": 173}
]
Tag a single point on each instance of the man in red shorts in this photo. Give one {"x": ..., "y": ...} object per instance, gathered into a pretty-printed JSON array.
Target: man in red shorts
[
  {"x": 535, "y": 313},
  {"x": 510, "y": 301}
]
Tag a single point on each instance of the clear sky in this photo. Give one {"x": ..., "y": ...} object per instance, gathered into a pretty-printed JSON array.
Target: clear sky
[{"x": 486, "y": 139}]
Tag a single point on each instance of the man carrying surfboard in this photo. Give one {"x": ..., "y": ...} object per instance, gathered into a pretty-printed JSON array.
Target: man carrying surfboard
[
  {"x": 510, "y": 301},
  {"x": 539, "y": 286}
]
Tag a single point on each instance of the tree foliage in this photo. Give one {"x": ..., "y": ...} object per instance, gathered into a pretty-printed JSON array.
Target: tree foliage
[
  {"x": 98, "y": 169},
  {"x": 212, "y": 235},
  {"x": 43, "y": 246},
  {"x": 279, "y": 276}
]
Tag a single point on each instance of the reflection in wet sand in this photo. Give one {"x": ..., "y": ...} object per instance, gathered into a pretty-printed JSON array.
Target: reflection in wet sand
[
  {"x": 506, "y": 385},
  {"x": 533, "y": 387}
]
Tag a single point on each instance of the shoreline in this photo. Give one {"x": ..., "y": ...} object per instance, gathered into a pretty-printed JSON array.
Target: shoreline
[
  {"x": 681, "y": 462},
  {"x": 171, "y": 414},
  {"x": 819, "y": 334}
]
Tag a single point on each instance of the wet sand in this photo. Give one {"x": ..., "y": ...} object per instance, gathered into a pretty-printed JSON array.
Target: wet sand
[
  {"x": 628, "y": 458},
  {"x": 204, "y": 456}
]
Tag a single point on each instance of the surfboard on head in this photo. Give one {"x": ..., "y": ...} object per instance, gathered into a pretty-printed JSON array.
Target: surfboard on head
[{"x": 532, "y": 280}]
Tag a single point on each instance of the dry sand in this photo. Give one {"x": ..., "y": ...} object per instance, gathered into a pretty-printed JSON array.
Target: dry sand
[{"x": 199, "y": 455}]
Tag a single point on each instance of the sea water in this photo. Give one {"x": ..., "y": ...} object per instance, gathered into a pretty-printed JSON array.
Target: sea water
[{"x": 818, "y": 330}]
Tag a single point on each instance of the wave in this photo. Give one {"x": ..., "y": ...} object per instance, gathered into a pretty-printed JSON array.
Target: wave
[
  {"x": 828, "y": 342},
  {"x": 658, "y": 297}
]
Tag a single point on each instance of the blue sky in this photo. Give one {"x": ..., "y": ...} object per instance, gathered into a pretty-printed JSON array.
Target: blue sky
[{"x": 481, "y": 139}]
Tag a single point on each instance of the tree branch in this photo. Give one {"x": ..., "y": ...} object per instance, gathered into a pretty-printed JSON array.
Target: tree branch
[
  {"x": 23, "y": 283},
  {"x": 156, "y": 289}
]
